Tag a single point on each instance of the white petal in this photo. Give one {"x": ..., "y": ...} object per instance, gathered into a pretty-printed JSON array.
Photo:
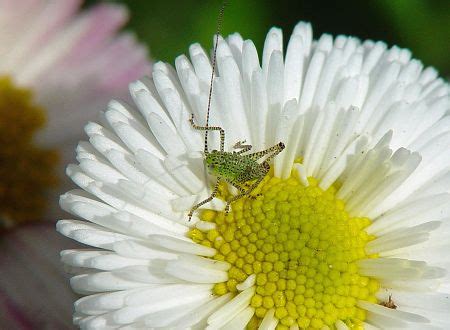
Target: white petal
[
  {"x": 269, "y": 321},
  {"x": 232, "y": 308}
]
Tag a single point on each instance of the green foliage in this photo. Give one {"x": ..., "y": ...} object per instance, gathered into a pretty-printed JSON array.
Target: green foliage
[
  {"x": 423, "y": 26},
  {"x": 170, "y": 26}
]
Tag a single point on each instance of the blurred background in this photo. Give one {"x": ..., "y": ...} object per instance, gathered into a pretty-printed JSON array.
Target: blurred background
[
  {"x": 34, "y": 290},
  {"x": 170, "y": 26}
]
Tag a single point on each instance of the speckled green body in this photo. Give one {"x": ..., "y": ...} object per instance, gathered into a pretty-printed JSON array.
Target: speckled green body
[
  {"x": 243, "y": 171},
  {"x": 234, "y": 167}
]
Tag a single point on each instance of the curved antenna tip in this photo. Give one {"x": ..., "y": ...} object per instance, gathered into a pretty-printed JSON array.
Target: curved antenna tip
[{"x": 219, "y": 26}]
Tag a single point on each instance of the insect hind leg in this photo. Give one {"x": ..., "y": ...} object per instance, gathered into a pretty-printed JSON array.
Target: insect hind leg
[
  {"x": 272, "y": 152},
  {"x": 248, "y": 191},
  {"x": 238, "y": 186},
  {"x": 210, "y": 198},
  {"x": 210, "y": 128}
]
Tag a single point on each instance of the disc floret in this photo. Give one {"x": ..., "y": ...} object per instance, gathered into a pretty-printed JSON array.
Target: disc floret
[
  {"x": 301, "y": 246},
  {"x": 27, "y": 171}
]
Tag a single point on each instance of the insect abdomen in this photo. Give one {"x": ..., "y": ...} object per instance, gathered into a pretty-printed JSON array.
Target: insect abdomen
[
  {"x": 232, "y": 166},
  {"x": 246, "y": 169}
]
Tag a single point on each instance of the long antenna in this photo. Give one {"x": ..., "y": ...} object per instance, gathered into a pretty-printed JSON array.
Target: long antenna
[{"x": 219, "y": 26}]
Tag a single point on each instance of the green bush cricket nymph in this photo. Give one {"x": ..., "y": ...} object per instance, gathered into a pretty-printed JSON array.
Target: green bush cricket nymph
[{"x": 243, "y": 170}]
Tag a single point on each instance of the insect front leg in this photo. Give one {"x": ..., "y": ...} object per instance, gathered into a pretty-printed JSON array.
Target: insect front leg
[
  {"x": 210, "y": 128},
  {"x": 241, "y": 145},
  {"x": 210, "y": 198}
]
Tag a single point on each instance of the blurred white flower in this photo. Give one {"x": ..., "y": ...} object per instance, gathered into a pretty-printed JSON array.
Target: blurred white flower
[
  {"x": 350, "y": 230},
  {"x": 58, "y": 68}
]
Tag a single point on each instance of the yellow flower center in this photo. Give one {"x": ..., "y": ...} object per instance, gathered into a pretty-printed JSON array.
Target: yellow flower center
[
  {"x": 302, "y": 246},
  {"x": 26, "y": 170}
]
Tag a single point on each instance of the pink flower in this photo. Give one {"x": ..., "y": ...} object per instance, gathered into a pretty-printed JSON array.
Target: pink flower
[
  {"x": 33, "y": 290},
  {"x": 73, "y": 62},
  {"x": 67, "y": 65},
  {"x": 58, "y": 68}
]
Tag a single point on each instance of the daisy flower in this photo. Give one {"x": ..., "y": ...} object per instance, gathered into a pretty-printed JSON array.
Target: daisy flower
[
  {"x": 349, "y": 230},
  {"x": 50, "y": 83}
]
